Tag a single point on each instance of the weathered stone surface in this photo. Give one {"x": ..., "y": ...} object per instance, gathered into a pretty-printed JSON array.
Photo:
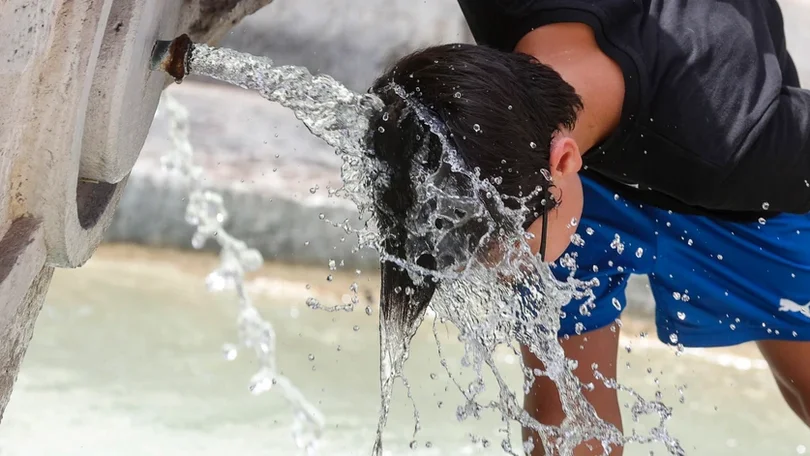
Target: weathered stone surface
[
  {"x": 23, "y": 284},
  {"x": 207, "y": 21},
  {"x": 77, "y": 101}
]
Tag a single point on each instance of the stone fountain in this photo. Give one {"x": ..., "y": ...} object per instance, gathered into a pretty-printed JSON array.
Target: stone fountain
[{"x": 78, "y": 98}]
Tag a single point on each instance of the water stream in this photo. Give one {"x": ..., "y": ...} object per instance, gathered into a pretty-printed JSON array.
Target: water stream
[
  {"x": 472, "y": 295},
  {"x": 207, "y": 213}
]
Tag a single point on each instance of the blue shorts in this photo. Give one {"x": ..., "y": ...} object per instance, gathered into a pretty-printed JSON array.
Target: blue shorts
[{"x": 715, "y": 283}]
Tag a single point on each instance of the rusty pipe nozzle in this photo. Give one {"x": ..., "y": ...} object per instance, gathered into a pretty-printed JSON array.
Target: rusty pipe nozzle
[{"x": 173, "y": 57}]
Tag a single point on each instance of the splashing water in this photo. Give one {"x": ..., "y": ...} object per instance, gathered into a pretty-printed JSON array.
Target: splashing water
[
  {"x": 479, "y": 296},
  {"x": 206, "y": 211}
]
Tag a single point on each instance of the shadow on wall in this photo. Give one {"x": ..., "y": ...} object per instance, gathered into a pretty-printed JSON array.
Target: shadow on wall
[{"x": 351, "y": 40}]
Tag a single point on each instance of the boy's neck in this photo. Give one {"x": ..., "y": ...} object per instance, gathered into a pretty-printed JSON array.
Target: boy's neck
[{"x": 572, "y": 51}]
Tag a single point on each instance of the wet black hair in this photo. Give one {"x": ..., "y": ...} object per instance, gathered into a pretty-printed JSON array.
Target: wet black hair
[{"x": 500, "y": 110}]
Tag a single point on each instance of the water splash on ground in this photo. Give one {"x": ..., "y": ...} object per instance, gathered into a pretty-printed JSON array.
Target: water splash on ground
[{"x": 476, "y": 295}]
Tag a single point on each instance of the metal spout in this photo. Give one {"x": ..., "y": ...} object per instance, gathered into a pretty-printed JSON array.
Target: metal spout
[{"x": 173, "y": 57}]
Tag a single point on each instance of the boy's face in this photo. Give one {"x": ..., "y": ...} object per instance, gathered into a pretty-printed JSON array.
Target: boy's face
[{"x": 565, "y": 162}]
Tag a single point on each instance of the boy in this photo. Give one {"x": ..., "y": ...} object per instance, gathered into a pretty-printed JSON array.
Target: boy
[{"x": 677, "y": 130}]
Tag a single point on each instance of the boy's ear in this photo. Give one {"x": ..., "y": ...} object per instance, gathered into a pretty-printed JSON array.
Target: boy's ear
[{"x": 564, "y": 156}]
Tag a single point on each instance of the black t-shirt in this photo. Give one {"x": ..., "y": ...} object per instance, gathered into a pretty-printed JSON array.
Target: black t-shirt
[{"x": 714, "y": 121}]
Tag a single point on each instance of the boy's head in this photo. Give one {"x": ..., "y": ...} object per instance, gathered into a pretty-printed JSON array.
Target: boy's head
[{"x": 508, "y": 117}]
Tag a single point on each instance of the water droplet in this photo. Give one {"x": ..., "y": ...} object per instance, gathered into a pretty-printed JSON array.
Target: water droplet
[
  {"x": 616, "y": 244},
  {"x": 385, "y": 117},
  {"x": 732, "y": 326},
  {"x": 533, "y": 145},
  {"x": 673, "y": 338},
  {"x": 762, "y": 221},
  {"x": 216, "y": 281},
  {"x": 681, "y": 316},
  {"x": 332, "y": 265},
  {"x": 589, "y": 231},
  {"x": 356, "y": 328},
  {"x": 311, "y": 357},
  {"x": 433, "y": 376},
  {"x": 369, "y": 310},
  {"x": 510, "y": 108},
  {"x": 229, "y": 351},
  {"x": 261, "y": 385},
  {"x": 321, "y": 216},
  {"x": 457, "y": 95},
  {"x": 329, "y": 278},
  {"x": 616, "y": 303},
  {"x": 198, "y": 240},
  {"x": 413, "y": 444},
  {"x": 639, "y": 252},
  {"x": 381, "y": 129},
  {"x": 801, "y": 449},
  {"x": 313, "y": 303},
  {"x": 477, "y": 128},
  {"x": 765, "y": 206},
  {"x": 720, "y": 257},
  {"x": 676, "y": 295}
]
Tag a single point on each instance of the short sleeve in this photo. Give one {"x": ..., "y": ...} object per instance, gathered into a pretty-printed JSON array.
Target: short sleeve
[{"x": 502, "y": 23}]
